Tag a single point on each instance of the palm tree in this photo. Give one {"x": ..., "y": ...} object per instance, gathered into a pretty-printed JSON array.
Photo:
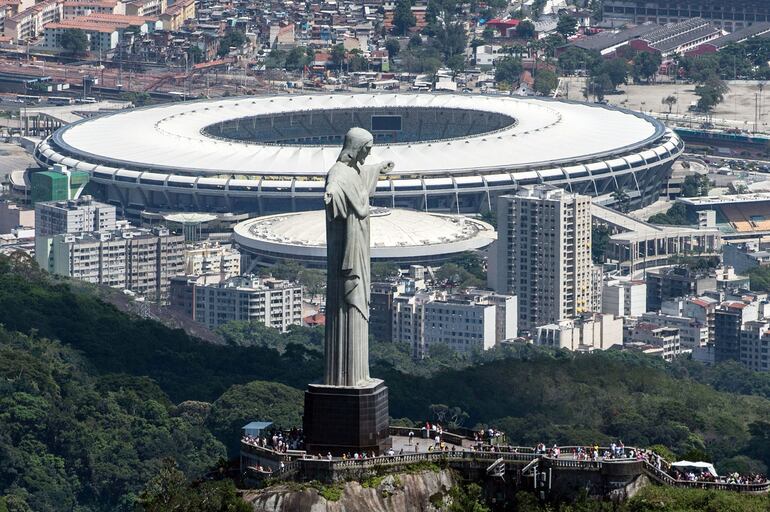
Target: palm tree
[{"x": 670, "y": 101}]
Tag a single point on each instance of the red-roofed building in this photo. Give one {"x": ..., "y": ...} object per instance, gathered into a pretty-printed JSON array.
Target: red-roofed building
[
  {"x": 318, "y": 319},
  {"x": 504, "y": 28},
  {"x": 76, "y": 8},
  {"x": 102, "y": 30}
]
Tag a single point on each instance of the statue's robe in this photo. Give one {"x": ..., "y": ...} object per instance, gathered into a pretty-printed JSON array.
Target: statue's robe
[{"x": 348, "y": 278}]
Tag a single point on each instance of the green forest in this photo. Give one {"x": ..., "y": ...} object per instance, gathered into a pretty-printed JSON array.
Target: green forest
[{"x": 100, "y": 410}]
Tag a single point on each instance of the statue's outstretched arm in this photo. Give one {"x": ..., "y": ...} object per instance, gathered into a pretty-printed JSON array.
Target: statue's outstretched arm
[{"x": 370, "y": 174}]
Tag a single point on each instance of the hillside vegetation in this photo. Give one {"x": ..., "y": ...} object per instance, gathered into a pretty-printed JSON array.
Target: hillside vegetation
[{"x": 97, "y": 405}]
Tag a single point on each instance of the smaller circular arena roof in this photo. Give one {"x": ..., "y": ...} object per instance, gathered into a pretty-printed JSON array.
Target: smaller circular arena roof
[
  {"x": 190, "y": 218},
  {"x": 403, "y": 236}
]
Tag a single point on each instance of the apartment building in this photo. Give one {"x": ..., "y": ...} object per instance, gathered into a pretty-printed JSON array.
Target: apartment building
[
  {"x": 212, "y": 258},
  {"x": 175, "y": 15},
  {"x": 28, "y": 24},
  {"x": 146, "y": 7},
  {"x": 543, "y": 254},
  {"x": 653, "y": 340},
  {"x": 73, "y": 216},
  {"x": 624, "y": 297},
  {"x": 464, "y": 322},
  {"x": 692, "y": 333},
  {"x": 213, "y": 302},
  {"x": 588, "y": 332},
  {"x": 76, "y": 8},
  {"x": 755, "y": 346},
  {"x": 139, "y": 260}
]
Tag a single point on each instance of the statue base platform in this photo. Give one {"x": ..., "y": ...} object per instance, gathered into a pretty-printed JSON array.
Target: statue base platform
[{"x": 346, "y": 419}]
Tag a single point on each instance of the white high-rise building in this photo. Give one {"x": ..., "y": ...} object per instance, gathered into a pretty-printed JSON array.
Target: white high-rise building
[
  {"x": 624, "y": 297},
  {"x": 543, "y": 254}
]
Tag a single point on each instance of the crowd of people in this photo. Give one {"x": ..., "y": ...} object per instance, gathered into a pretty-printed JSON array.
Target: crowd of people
[
  {"x": 278, "y": 440},
  {"x": 706, "y": 476},
  {"x": 491, "y": 440}
]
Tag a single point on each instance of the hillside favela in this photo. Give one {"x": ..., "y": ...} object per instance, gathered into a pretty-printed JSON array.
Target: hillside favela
[{"x": 384, "y": 256}]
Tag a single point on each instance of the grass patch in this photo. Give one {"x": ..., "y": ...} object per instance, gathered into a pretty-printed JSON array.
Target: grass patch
[
  {"x": 372, "y": 482},
  {"x": 331, "y": 492}
]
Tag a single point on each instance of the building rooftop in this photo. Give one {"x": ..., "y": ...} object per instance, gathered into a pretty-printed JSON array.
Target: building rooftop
[{"x": 757, "y": 29}]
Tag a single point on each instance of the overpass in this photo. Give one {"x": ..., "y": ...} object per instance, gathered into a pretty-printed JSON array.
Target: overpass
[{"x": 637, "y": 245}]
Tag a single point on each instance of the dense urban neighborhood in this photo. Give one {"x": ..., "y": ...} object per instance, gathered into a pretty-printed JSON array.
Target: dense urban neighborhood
[{"x": 501, "y": 255}]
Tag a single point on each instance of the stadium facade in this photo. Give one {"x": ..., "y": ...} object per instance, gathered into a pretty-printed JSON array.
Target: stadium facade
[
  {"x": 726, "y": 14},
  {"x": 453, "y": 153}
]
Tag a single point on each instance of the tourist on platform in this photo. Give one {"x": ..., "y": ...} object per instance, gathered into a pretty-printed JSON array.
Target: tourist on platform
[{"x": 411, "y": 436}]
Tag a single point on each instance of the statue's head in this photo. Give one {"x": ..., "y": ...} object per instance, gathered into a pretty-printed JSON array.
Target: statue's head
[{"x": 355, "y": 149}]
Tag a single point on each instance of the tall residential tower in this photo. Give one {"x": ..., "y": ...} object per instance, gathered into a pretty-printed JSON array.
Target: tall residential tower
[{"x": 543, "y": 254}]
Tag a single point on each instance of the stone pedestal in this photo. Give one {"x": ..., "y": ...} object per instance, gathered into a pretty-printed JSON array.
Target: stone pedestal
[{"x": 346, "y": 419}]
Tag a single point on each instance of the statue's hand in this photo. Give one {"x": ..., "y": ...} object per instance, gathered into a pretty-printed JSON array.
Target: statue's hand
[{"x": 387, "y": 167}]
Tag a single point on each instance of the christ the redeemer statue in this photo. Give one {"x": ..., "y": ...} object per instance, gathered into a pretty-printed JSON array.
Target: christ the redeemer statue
[{"x": 349, "y": 185}]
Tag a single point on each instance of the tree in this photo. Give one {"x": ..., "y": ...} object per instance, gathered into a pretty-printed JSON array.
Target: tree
[
  {"x": 297, "y": 58},
  {"x": 74, "y": 41},
  {"x": 622, "y": 200},
  {"x": 357, "y": 62},
  {"x": 393, "y": 47},
  {"x": 573, "y": 59},
  {"x": 600, "y": 237},
  {"x": 169, "y": 490},
  {"x": 508, "y": 70},
  {"x": 525, "y": 29},
  {"x": 566, "y": 26},
  {"x": 646, "y": 65},
  {"x": 599, "y": 85},
  {"x": 696, "y": 185},
  {"x": 675, "y": 216},
  {"x": 711, "y": 93},
  {"x": 195, "y": 54},
  {"x": 451, "y": 40},
  {"x": 382, "y": 271},
  {"x": 488, "y": 34},
  {"x": 403, "y": 18},
  {"x": 456, "y": 63},
  {"x": 468, "y": 498},
  {"x": 338, "y": 55},
  {"x": 669, "y": 101},
  {"x": 232, "y": 39},
  {"x": 616, "y": 70},
  {"x": 546, "y": 82}
]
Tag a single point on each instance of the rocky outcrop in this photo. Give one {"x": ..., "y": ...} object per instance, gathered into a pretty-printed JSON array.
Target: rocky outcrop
[{"x": 425, "y": 491}]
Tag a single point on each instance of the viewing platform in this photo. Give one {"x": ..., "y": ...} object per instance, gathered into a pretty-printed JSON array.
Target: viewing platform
[{"x": 516, "y": 467}]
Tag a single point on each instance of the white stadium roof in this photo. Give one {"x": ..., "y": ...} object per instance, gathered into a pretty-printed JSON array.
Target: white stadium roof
[
  {"x": 395, "y": 233},
  {"x": 171, "y": 136}
]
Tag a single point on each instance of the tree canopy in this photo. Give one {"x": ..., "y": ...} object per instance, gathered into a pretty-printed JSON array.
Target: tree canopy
[
  {"x": 403, "y": 18},
  {"x": 566, "y": 26},
  {"x": 74, "y": 41},
  {"x": 508, "y": 69}
]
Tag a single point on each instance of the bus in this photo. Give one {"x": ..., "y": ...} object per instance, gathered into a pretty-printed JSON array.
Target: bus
[
  {"x": 26, "y": 98},
  {"x": 60, "y": 100}
]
